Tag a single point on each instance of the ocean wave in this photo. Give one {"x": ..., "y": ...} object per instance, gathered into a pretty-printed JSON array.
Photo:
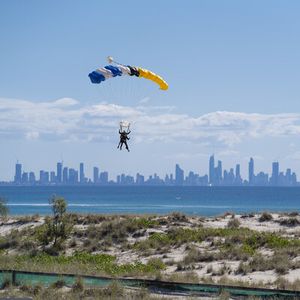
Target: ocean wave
[{"x": 123, "y": 206}]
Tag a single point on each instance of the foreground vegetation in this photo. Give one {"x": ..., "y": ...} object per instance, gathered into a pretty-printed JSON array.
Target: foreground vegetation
[{"x": 173, "y": 247}]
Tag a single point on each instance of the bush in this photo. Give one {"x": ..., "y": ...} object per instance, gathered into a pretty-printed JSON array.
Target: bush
[
  {"x": 156, "y": 264},
  {"x": 78, "y": 285},
  {"x": 243, "y": 269},
  {"x": 115, "y": 290},
  {"x": 293, "y": 214},
  {"x": 194, "y": 255},
  {"x": 233, "y": 223},
  {"x": 209, "y": 269},
  {"x": 3, "y": 208},
  {"x": 265, "y": 217},
  {"x": 58, "y": 284},
  {"x": 6, "y": 284},
  {"x": 28, "y": 245},
  {"x": 291, "y": 222},
  {"x": 178, "y": 217},
  {"x": 279, "y": 262}
]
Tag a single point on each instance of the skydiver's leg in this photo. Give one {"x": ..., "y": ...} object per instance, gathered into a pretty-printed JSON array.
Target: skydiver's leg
[
  {"x": 119, "y": 145},
  {"x": 126, "y": 146}
]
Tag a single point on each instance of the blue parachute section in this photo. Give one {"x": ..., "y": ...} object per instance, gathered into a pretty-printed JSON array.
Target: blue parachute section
[
  {"x": 96, "y": 77},
  {"x": 114, "y": 70}
]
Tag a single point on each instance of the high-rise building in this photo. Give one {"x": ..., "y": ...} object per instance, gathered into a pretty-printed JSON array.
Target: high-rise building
[
  {"x": 31, "y": 178},
  {"x": 59, "y": 166},
  {"x": 179, "y": 175},
  {"x": 103, "y": 177},
  {"x": 65, "y": 176},
  {"x": 52, "y": 177},
  {"x": 211, "y": 169},
  {"x": 81, "y": 173},
  {"x": 96, "y": 175},
  {"x": 288, "y": 176},
  {"x": 294, "y": 179},
  {"x": 18, "y": 173},
  {"x": 140, "y": 179},
  {"x": 44, "y": 177},
  {"x": 251, "y": 176},
  {"x": 274, "y": 180},
  {"x": 218, "y": 173},
  {"x": 25, "y": 178},
  {"x": 238, "y": 178},
  {"x": 73, "y": 176},
  {"x": 262, "y": 179}
]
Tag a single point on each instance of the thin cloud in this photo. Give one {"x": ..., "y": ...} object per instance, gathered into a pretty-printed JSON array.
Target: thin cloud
[{"x": 67, "y": 120}]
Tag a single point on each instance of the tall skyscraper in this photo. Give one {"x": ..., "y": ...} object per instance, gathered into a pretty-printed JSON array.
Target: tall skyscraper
[
  {"x": 212, "y": 169},
  {"x": 238, "y": 178},
  {"x": 65, "y": 176},
  {"x": 81, "y": 173},
  {"x": 251, "y": 171},
  {"x": 96, "y": 175},
  {"x": 31, "y": 178},
  {"x": 288, "y": 176},
  {"x": 18, "y": 173},
  {"x": 73, "y": 176},
  {"x": 52, "y": 177},
  {"x": 218, "y": 173},
  {"x": 140, "y": 179},
  {"x": 59, "y": 172},
  {"x": 179, "y": 175},
  {"x": 103, "y": 177},
  {"x": 44, "y": 177},
  {"x": 275, "y": 173},
  {"x": 25, "y": 178}
]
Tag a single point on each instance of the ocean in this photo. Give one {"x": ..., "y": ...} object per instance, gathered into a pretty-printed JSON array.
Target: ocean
[{"x": 206, "y": 201}]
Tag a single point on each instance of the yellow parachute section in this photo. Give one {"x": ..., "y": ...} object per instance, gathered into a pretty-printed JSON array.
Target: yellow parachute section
[{"x": 154, "y": 77}]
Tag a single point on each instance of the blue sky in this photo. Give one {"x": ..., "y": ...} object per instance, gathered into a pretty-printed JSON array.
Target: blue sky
[{"x": 232, "y": 67}]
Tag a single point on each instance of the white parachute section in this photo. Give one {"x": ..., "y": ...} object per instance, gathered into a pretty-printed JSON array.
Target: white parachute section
[{"x": 125, "y": 126}]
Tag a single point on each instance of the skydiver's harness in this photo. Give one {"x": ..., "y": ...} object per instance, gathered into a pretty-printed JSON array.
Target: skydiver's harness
[{"x": 124, "y": 137}]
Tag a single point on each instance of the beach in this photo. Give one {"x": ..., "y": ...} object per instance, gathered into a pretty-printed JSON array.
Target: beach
[{"x": 261, "y": 250}]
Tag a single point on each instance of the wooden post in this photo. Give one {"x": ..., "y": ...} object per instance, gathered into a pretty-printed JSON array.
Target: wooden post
[{"x": 13, "y": 277}]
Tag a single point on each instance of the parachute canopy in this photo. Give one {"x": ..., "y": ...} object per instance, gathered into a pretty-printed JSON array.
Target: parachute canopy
[{"x": 110, "y": 71}]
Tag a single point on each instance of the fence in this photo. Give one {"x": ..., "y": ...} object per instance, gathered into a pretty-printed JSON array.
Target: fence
[{"x": 46, "y": 279}]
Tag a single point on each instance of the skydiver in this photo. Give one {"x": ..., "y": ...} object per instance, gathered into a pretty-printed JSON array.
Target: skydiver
[{"x": 123, "y": 139}]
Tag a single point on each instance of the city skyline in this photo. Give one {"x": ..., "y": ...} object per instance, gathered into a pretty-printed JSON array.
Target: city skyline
[{"x": 216, "y": 176}]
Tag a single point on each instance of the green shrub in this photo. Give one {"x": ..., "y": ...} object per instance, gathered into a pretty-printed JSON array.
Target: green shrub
[
  {"x": 265, "y": 217},
  {"x": 178, "y": 217},
  {"x": 58, "y": 284},
  {"x": 233, "y": 223},
  {"x": 243, "y": 269},
  {"x": 291, "y": 222},
  {"x": 156, "y": 264},
  {"x": 78, "y": 285}
]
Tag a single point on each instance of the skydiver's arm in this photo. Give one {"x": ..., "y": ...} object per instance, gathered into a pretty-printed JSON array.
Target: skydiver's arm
[{"x": 120, "y": 131}]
